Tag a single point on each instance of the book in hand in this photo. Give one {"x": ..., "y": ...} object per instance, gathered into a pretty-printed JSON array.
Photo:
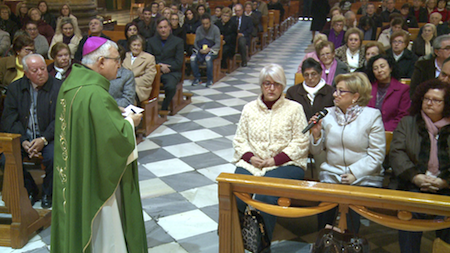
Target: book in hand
[{"x": 132, "y": 109}]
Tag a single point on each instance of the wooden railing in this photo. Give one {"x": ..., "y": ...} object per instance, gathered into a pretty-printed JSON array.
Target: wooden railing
[
  {"x": 363, "y": 200},
  {"x": 24, "y": 219}
]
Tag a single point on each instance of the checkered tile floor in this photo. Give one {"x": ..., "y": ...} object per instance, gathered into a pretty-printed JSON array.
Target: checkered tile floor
[{"x": 178, "y": 164}]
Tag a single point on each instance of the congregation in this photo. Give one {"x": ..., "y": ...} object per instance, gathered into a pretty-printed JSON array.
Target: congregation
[{"x": 380, "y": 67}]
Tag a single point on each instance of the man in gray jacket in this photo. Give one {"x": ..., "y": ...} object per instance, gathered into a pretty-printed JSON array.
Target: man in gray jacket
[{"x": 206, "y": 49}]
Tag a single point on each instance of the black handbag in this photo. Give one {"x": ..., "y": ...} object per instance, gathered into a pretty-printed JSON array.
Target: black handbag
[
  {"x": 254, "y": 233},
  {"x": 332, "y": 240}
]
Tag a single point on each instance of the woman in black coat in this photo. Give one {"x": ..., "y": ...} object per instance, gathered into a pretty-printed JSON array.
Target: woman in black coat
[
  {"x": 319, "y": 12},
  {"x": 229, "y": 31}
]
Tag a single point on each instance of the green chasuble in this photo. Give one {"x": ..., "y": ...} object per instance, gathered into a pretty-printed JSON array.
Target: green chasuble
[{"x": 92, "y": 144}]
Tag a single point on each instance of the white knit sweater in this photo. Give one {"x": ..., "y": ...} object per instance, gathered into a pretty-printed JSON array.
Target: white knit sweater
[{"x": 266, "y": 133}]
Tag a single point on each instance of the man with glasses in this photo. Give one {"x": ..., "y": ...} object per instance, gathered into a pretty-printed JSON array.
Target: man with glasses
[
  {"x": 30, "y": 111},
  {"x": 40, "y": 42},
  {"x": 96, "y": 199},
  {"x": 428, "y": 69},
  {"x": 95, "y": 29}
]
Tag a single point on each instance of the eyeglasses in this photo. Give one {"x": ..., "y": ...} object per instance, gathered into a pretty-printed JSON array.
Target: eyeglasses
[
  {"x": 268, "y": 84},
  {"x": 398, "y": 42},
  {"x": 29, "y": 50},
  {"x": 445, "y": 48},
  {"x": 32, "y": 29},
  {"x": 325, "y": 54},
  {"x": 341, "y": 92},
  {"x": 433, "y": 101},
  {"x": 310, "y": 75},
  {"x": 116, "y": 59}
]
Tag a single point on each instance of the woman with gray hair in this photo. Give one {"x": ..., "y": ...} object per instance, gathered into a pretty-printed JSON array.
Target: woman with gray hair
[
  {"x": 269, "y": 141},
  {"x": 423, "y": 44}
]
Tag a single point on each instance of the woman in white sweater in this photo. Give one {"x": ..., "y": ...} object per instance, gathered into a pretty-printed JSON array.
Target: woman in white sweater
[
  {"x": 269, "y": 141},
  {"x": 352, "y": 135}
]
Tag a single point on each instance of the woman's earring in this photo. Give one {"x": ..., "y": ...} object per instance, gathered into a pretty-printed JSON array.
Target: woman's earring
[{"x": 353, "y": 101}]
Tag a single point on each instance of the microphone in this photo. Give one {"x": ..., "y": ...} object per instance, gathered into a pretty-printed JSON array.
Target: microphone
[{"x": 321, "y": 115}]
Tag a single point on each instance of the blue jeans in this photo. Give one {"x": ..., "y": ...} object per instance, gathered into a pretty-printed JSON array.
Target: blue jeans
[
  {"x": 287, "y": 172},
  {"x": 209, "y": 58},
  {"x": 410, "y": 241}
]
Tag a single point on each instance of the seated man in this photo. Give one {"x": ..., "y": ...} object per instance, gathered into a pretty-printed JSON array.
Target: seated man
[
  {"x": 390, "y": 8},
  {"x": 245, "y": 27},
  {"x": 428, "y": 69},
  {"x": 370, "y": 12},
  {"x": 217, "y": 14},
  {"x": 206, "y": 48},
  {"x": 168, "y": 51},
  {"x": 123, "y": 88},
  {"x": 62, "y": 65},
  {"x": 95, "y": 28},
  {"x": 40, "y": 42},
  {"x": 30, "y": 111},
  {"x": 146, "y": 26}
]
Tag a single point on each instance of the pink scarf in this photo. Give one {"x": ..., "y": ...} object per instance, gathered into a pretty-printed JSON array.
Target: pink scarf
[
  {"x": 433, "y": 131},
  {"x": 330, "y": 77}
]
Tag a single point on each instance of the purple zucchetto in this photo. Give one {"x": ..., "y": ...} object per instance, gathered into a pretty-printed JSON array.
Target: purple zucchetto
[{"x": 92, "y": 44}]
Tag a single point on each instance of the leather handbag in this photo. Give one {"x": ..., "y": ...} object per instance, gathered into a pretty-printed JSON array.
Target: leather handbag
[
  {"x": 254, "y": 233},
  {"x": 332, "y": 240}
]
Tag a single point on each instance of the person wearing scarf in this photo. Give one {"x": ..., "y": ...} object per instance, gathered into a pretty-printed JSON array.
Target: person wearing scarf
[
  {"x": 330, "y": 65},
  {"x": 352, "y": 136},
  {"x": 419, "y": 152},
  {"x": 62, "y": 66},
  {"x": 336, "y": 34},
  {"x": 423, "y": 44}
]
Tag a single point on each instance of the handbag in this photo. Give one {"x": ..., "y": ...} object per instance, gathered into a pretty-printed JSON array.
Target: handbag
[
  {"x": 254, "y": 233},
  {"x": 332, "y": 240}
]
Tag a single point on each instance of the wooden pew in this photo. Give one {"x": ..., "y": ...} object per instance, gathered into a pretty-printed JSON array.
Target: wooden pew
[
  {"x": 153, "y": 118},
  {"x": 233, "y": 61},
  {"x": 414, "y": 32},
  {"x": 263, "y": 36},
  {"x": 24, "y": 219},
  {"x": 120, "y": 28},
  {"x": 181, "y": 98},
  {"x": 115, "y": 35},
  {"x": 360, "y": 199}
]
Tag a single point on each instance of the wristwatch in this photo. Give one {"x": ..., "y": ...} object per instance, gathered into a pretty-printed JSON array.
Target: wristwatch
[{"x": 45, "y": 141}]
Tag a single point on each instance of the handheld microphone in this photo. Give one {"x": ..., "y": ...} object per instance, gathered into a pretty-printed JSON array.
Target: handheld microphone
[{"x": 321, "y": 115}]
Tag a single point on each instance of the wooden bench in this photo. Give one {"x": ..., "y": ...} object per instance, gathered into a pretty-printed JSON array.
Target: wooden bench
[
  {"x": 24, "y": 219},
  {"x": 363, "y": 200},
  {"x": 263, "y": 36},
  {"x": 115, "y": 35},
  {"x": 152, "y": 117},
  {"x": 120, "y": 28}
]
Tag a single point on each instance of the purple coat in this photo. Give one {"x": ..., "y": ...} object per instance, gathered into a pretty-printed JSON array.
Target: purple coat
[{"x": 395, "y": 104}]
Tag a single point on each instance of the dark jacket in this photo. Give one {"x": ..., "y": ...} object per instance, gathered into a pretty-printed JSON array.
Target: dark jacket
[
  {"x": 171, "y": 53},
  {"x": 277, "y": 6},
  {"x": 17, "y": 108},
  {"x": 377, "y": 20},
  {"x": 324, "y": 98},
  {"x": 246, "y": 27},
  {"x": 385, "y": 14},
  {"x": 9, "y": 26},
  {"x": 424, "y": 70},
  {"x": 319, "y": 13},
  {"x": 180, "y": 33},
  {"x": 147, "y": 31},
  {"x": 79, "y": 54},
  {"x": 410, "y": 151},
  {"x": 229, "y": 32},
  {"x": 49, "y": 19},
  {"x": 124, "y": 44},
  {"x": 405, "y": 63},
  {"x": 418, "y": 47},
  {"x": 411, "y": 21},
  {"x": 191, "y": 26},
  {"x": 423, "y": 14}
]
